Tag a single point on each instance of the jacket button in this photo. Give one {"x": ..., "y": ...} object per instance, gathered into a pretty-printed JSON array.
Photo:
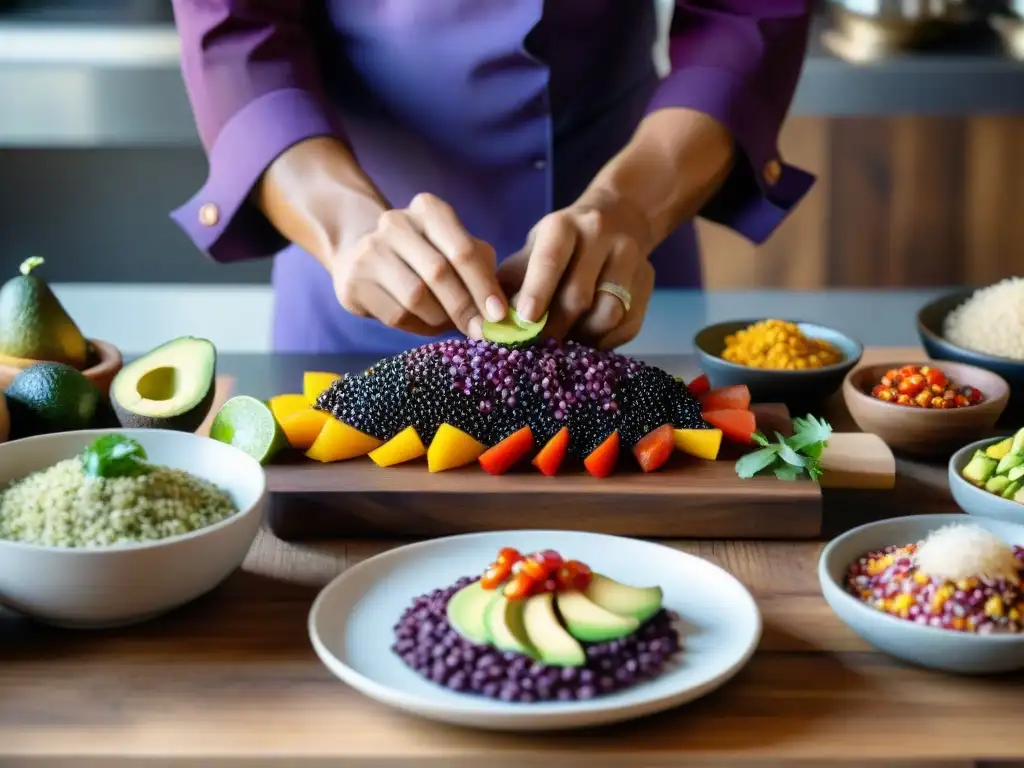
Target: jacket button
[
  {"x": 209, "y": 215},
  {"x": 772, "y": 172}
]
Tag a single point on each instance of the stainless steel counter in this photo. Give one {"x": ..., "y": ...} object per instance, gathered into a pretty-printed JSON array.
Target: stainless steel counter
[{"x": 117, "y": 84}]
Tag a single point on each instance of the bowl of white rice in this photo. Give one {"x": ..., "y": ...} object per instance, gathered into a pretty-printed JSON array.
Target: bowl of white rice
[
  {"x": 983, "y": 327},
  {"x": 103, "y": 528}
]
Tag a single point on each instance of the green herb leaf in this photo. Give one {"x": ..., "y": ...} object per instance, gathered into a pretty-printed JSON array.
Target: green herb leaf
[
  {"x": 114, "y": 456},
  {"x": 788, "y": 458},
  {"x": 787, "y": 472},
  {"x": 752, "y": 463}
]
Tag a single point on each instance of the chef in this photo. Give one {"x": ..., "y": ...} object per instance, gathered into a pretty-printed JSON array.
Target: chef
[{"x": 415, "y": 165}]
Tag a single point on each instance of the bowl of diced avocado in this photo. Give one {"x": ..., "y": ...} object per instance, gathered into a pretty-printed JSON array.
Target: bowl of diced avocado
[{"x": 986, "y": 478}]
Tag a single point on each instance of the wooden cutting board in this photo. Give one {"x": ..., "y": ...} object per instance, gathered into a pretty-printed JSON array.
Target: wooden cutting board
[{"x": 689, "y": 498}]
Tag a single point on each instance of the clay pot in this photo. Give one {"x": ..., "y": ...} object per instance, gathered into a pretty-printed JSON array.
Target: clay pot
[{"x": 101, "y": 374}]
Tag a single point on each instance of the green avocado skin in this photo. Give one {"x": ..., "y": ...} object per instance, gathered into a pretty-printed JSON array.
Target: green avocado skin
[
  {"x": 52, "y": 397},
  {"x": 35, "y": 325}
]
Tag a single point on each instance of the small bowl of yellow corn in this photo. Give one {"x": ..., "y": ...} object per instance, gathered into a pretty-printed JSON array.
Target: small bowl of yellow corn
[{"x": 780, "y": 361}]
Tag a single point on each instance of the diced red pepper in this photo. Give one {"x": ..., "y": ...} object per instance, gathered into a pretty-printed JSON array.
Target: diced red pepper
[
  {"x": 601, "y": 461},
  {"x": 535, "y": 569},
  {"x": 734, "y": 398},
  {"x": 550, "y": 457},
  {"x": 655, "y": 448},
  {"x": 500, "y": 458},
  {"x": 700, "y": 385},
  {"x": 738, "y": 426},
  {"x": 519, "y": 586},
  {"x": 509, "y": 555},
  {"x": 495, "y": 575}
]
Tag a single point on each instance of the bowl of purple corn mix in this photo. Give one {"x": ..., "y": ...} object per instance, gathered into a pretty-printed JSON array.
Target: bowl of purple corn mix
[
  {"x": 939, "y": 591},
  {"x": 439, "y": 630}
]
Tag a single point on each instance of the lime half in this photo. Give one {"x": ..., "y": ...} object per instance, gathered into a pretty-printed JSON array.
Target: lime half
[
  {"x": 249, "y": 425},
  {"x": 513, "y": 329}
]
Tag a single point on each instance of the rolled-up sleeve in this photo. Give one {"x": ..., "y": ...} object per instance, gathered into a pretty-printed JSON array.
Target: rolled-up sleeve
[
  {"x": 255, "y": 91},
  {"x": 739, "y": 61}
]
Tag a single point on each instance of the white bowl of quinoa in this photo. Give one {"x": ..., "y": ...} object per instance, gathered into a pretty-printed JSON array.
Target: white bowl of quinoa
[
  {"x": 939, "y": 591},
  {"x": 102, "y": 528}
]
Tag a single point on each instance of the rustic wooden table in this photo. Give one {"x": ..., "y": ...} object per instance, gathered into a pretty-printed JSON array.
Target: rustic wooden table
[{"x": 232, "y": 680}]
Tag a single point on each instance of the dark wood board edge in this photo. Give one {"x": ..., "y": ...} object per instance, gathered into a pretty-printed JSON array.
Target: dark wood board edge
[{"x": 308, "y": 517}]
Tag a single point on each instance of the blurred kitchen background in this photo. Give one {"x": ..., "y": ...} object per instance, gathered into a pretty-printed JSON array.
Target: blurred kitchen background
[{"x": 911, "y": 113}]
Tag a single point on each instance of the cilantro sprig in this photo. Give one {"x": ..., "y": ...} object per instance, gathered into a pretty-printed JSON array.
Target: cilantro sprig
[
  {"x": 789, "y": 457},
  {"x": 114, "y": 455}
]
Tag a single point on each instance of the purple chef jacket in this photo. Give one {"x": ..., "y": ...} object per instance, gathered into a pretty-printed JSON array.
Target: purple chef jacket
[{"x": 504, "y": 108}]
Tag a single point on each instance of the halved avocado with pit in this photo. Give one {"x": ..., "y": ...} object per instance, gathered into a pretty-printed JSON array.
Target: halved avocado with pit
[{"x": 171, "y": 387}]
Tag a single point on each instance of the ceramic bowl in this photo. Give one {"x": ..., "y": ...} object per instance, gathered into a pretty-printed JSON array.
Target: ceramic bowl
[
  {"x": 113, "y": 586},
  {"x": 930, "y": 320},
  {"x": 977, "y": 501},
  {"x": 925, "y": 431},
  {"x": 101, "y": 373},
  {"x": 798, "y": 389},
  {"x": 943, "y": 649}
]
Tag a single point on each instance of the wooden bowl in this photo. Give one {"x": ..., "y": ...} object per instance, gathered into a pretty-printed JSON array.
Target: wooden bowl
[
  {"x": 926, "y": 431},
  {"x": 101, "y": 374}
]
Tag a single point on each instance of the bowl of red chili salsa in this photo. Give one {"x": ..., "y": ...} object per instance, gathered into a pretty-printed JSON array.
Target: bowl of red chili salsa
[{"x": 926, "y": 408}]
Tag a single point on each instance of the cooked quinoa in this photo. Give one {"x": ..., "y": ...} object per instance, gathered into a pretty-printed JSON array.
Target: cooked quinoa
[
  {"x": 991, "y": 321},
  {"x": 890, "y": 581},
  {"x": 63, "y": 507}
]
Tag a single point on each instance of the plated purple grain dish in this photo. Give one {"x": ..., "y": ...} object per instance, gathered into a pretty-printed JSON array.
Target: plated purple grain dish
[{"x": 537, "y": 628}]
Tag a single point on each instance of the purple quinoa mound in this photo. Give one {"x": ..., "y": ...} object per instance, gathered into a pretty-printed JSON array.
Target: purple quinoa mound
[{"x": 427, "y": 643}]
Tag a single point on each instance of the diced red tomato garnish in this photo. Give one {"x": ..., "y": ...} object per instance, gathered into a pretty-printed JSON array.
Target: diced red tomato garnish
[
  {"x": 550, "y": 457},
  {"x": 738, "y": 426},
  {"x": 655, "y": 448},
  {"x": 495, "y": 575},
  {"x": 519, "y": 586},
  {"x": 536, "y": 570},
  {"x": 564, "y": 576},
  {"x": 500, "y": 458},
  {"x": 582, "y": 574},
  {"x": 509, "y": 555},
  {"x": 550, "y": 558},
  {"x": 601, "y": 461},
  {"x": 734, "y": 398},
  {"x": 700, "y": 385}
]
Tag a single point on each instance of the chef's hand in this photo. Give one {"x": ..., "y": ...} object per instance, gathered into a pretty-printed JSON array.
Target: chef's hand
[
  {"x": 422, "y": 272},
  {"x": 569, "y": 256}
]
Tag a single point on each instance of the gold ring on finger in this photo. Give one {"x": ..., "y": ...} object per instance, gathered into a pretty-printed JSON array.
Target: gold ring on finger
[{"x": 618, "y": 291}]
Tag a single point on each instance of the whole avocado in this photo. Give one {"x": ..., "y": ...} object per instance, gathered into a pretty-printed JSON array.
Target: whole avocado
[
  {"x": 35, "y": 325},
  {"x": 52, "y": 397}
]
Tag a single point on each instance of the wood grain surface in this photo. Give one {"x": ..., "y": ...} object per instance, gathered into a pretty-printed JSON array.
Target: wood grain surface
[
  {"x": 909, "y": 200},
  {"x": 232, "y": 680},
  {"x": 234, "y": 675}
]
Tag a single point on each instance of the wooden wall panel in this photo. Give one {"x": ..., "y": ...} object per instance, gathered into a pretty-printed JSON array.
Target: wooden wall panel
[{"x": 906, "y": 201}]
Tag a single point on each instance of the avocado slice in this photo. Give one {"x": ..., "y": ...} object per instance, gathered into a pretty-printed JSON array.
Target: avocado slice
[
  {"x": 1008, "y": 462},
  {"x": 170, "y": 387},
  {"x": 1011, "y": 490},
  {"x": 639, "y": 602},
  {"x": 503, "y": 623},
  {"x": 589, "y": 622},
  {"x": 35, "y": 325},
  {"x": 554, "y": 645},
  {"x": 1019, "y": 496},
  {"x": 1015, "y": 474},
  {"x": 513, "y": 329},
  {"x": 997, "y": 483},
  {"x": 1000, "y": 449},
  {"x": 465, "y": 612},
  {"x": 1017, "y": 446},
  {"x": 979, "y": 469}
]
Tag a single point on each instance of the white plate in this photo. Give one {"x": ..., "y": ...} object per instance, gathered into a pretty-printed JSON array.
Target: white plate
[{"x": 351, "y": 626}]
